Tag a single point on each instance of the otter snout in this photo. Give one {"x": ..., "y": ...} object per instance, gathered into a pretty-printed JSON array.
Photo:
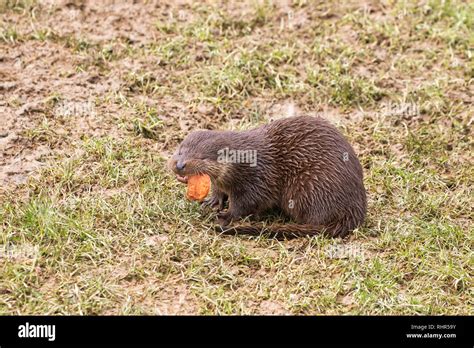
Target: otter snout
[
  {"x": 177, "y": 167},
  {"x": 180, "y": 165}
]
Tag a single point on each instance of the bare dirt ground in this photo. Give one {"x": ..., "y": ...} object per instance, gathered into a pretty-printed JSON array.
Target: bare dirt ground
[
  {"x": 95, "y": 95},
  {"x": 34, "y": 72}
]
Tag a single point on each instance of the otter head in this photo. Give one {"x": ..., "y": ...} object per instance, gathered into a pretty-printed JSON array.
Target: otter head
[{"x": 198, "y": 154}]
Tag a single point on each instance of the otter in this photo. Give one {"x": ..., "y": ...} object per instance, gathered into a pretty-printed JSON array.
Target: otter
[{"x": 303, "y": 166}]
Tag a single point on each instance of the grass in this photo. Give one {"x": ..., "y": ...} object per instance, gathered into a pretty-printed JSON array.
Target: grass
[{"x": 114, "y": 232}]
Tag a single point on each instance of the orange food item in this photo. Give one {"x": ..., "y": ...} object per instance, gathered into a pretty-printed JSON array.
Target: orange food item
[{"x": 198, "y": 187}]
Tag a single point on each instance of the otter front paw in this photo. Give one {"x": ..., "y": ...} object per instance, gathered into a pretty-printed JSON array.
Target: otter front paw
[
  {"x": 211, "y": 202},
  {"x": 224, "y": 218},
  {"x": 215, "y": 202}
]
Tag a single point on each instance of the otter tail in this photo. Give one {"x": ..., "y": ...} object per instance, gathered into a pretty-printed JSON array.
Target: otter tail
[{"x": 289, "y": 231}]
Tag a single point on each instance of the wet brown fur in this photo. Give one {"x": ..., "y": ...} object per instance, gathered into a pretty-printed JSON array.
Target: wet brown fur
[{"x": 305, "y": 167}]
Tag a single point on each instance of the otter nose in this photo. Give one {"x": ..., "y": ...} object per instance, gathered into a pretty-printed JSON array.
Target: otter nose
[{"x": 180, "y": 165}]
